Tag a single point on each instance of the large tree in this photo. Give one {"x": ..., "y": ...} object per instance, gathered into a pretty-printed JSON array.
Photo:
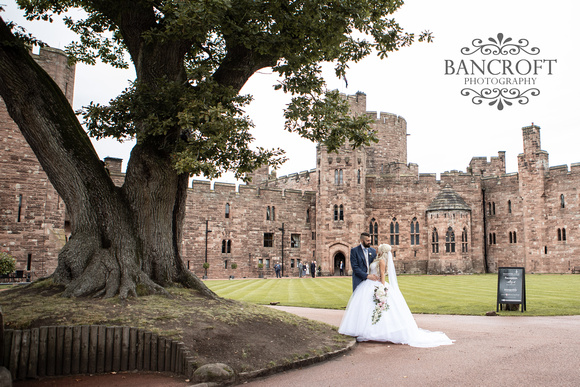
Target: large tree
[{"x": 185, "y": 111}]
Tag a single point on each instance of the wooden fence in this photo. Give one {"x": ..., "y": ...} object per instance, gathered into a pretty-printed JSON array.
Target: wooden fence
[{"x": 69, "y": 350}]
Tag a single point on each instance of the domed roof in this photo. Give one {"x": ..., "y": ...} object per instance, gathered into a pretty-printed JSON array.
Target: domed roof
[{"x": 448, "y": 199}]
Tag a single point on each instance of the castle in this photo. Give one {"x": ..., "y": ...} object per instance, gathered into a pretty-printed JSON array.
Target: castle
[{"x": 465, "y": 222}]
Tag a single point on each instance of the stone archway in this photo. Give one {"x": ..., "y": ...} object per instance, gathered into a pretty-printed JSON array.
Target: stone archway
[{"x": 338, "y": 257}]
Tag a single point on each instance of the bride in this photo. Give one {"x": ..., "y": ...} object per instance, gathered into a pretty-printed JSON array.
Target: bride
[{"x": 368, "y": 318}]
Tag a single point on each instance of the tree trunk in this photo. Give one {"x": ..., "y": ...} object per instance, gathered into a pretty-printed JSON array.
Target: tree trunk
[{"x": 122, "y": 240}]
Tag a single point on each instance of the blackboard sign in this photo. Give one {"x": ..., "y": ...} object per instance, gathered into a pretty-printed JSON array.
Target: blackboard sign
[{"x": 511, "y": 286}]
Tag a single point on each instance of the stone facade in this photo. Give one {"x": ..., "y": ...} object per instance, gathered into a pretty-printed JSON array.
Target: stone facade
[
  {"x": 33, "y": 227},
  {"x": 465, "y": 222}
]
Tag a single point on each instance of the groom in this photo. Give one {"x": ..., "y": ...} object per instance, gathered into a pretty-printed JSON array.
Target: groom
[{"x": 360, "y": 259}]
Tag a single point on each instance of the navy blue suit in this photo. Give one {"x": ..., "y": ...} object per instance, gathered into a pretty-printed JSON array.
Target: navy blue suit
[{"x": 358, "y": 264}]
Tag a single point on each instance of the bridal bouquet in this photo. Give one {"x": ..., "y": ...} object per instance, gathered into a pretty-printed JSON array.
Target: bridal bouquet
[{"x": 380, "y": 300}]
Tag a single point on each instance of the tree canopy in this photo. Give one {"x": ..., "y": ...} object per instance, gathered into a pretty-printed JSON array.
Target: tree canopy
[
  {"x": 185, "y": 111},
  {"x": 215, "y": 47}
]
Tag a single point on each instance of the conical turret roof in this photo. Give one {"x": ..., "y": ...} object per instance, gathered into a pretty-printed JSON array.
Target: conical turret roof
[{"x": 448, "y": 199}]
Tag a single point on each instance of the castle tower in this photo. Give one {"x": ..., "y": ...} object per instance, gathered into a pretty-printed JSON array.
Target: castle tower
[
  {"x": 32, "y": 215},
  {"x": 340, "y": 202},
  {"x": 533, "y": 166}
]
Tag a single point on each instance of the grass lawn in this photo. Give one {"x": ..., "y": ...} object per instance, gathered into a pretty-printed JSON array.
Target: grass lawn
[{"x": 547, "y": 294}]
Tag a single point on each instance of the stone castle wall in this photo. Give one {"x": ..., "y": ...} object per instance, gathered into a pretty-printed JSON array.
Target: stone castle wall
[
  {"x": 530, "y": 218},
  {"x": 32, "y": 215}
]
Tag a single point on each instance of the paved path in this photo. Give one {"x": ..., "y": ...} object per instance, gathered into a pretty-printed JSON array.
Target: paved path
[{"x": 489, "y": 351}]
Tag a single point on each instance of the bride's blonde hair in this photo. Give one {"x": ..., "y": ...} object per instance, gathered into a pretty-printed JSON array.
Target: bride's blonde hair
[{"x": 383, "y": 250}]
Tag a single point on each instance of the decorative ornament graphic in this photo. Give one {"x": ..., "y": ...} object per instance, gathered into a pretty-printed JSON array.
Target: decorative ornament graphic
[
  {"x": 500, "y": 46},
  {"x": 501, "y": 96}
]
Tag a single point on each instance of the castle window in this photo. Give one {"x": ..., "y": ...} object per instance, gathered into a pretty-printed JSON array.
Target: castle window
[
  {"x": 335, "y": 212},
  {"x": 435, "y": 241},
  {"x": 268, "y": 239},
  {"x": 341, "y": 213},
  {"x": 450, "y": 241},
  {"x": 227, "y": 210},
  {"x": 19, "y": 208},
  {"x": 494, "y": 242},
  {"x": 562, "y": 203},
  {"x": 489, "y": 208},
  {"x": 493, "y": 207},
  {"x": 313, "y": 235},
  {"x": 464, "y": 248},
  {"x": 509, "y": 206},
  {"x": 561, "y": 234},
  {"x": 273, "y": 213},
  {"x": 267, "y": 265},
  {"x": 336, "y": 176},
  {"x": 511, "y": 237},
  {"x": 268, "y": 213},
  {"x": 358, "y": 176},
  {"x": 414, "y": 232},
  {"x": 394, "y": 232},
  {"x": 29, "y": 262},
  {"x": 340, "y": 177},
  {"x": 291, "y": 264},
  {"x": 374, "y": 231},
  {"x": 515, "y": 237},
  {"x": 295, "y": 240},
  {"x": 226, "y": 246},
  {"x": 225, "y": 263},
  {"x": 308, "y": 215}
]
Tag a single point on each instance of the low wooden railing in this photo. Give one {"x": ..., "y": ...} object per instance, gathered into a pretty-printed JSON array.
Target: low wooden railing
[{"x": 69, "y": 350}]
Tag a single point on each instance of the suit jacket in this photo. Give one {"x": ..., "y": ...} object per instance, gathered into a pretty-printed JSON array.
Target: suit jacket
[{"x": 358, "y": 264}]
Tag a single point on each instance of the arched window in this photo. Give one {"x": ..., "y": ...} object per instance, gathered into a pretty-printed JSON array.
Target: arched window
[
  {"x": 358, "y": 176},
  {"x": 268, "y": 213},
  {"x": 273, "y": 213},
  {"x": 336, "y": 176},
  {"x": 394, "y": 232},
  {"x": 490, "y": 239},
  {"x": 515, "y": 238},
  {"x": 335, "y": 212},
  {"x": 227, "y": 210},
  {"x": 509, "y": 206},
  {"x": 511, "y": 237},
  {"x": 449, "y": 241},
  {"x": 414, "y": 232},
  {"x": 489, "y": 208},
  {"x": 561, "y": 234},
  {"x": 494, "y": 242},
  {"x": 341, "y": 213},
  {"x": 562, "y": 202},
  {"x": 374, "y": 231},
  {"x": 435, "y": 241},
  {"x": 308, "y": 215},
  {"x": 464, "y": 246},
  {"x": 493, "y": 207},
  {"x": 229, "y": 246},
  {"x": 340, "y": 181},
  {"x": 223, "y": 246}
]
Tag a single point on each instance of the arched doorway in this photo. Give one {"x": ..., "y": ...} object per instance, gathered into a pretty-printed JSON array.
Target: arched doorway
[{"x": 338, "y": 257}]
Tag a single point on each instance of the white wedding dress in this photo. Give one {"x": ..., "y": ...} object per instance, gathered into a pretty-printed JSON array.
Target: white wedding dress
[{"x": 396, "y": 324}]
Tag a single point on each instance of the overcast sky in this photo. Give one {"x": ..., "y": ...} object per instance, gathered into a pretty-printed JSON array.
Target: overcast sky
[{"x": 446, "y": 128}]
